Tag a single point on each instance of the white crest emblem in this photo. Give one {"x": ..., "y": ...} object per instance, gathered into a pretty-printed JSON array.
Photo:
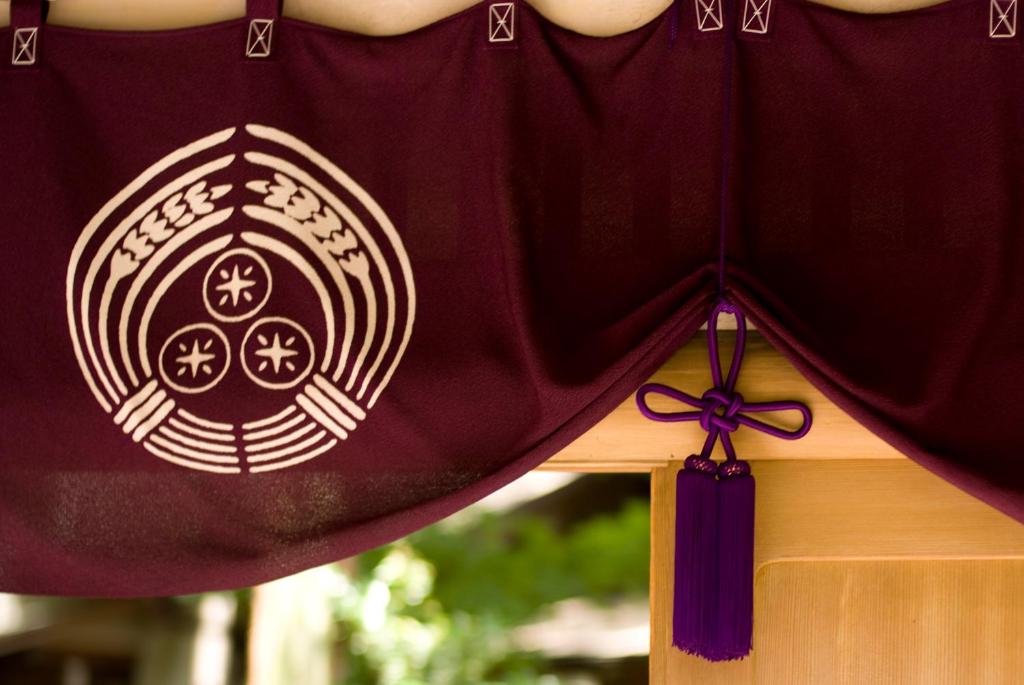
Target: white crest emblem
[{"x": 241, "y": 304}]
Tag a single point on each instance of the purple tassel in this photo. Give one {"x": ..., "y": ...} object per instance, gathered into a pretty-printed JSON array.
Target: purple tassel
[
  {"x": 693, "y": 611},
  {"x": 735, "y": 594}
]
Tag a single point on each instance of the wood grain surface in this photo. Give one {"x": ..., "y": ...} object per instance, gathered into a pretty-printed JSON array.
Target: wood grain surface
[
  {"x": 856, "y": 551},
  {"x": 912, "y": 622}
]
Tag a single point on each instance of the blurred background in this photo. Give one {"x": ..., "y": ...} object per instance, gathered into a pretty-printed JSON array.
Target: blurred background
[{"x": 542, "y": 583}]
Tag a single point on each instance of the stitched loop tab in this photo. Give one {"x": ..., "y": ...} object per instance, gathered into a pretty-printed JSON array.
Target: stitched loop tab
[
  {"x": 1002, "y": 19},
  {"x": 26, "y": 18},
  {"x": 756, "y": 16},
  {"x": 23, "y": 51},
  {"x": 262, "y": 15},
  {"x": 709, "y": 15},
  {"x": 261, "y": 33},
  {"x": 501, "y": 22}
]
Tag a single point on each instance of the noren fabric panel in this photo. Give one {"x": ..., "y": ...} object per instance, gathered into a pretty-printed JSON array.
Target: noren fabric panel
[
  {"x": 261, "y": 314},
  {"x": 878, "y": 225}
]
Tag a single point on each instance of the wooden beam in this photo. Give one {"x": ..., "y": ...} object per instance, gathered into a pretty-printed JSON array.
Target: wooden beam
[{"x": 626, "y": 441}]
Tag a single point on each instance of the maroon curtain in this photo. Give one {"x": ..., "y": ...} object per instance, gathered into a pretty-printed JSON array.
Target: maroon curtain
[{"x": 275, "y": 293}]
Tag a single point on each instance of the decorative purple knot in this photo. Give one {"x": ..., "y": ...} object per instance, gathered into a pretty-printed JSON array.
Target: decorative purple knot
[
  {"x": 721, "y": 410},
  {"x": 730, "y": 405}
]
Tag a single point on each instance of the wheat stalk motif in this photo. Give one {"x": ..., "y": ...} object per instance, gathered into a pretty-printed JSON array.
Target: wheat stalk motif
[
  {"x": 178, "y": 211},
  {"x": 303, "y": 205}
]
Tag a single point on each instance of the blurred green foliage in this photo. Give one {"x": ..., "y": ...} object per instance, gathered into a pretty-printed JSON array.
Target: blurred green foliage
[{"x": 437, "y": 608}]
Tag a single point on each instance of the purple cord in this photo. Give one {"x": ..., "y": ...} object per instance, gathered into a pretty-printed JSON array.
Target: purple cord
[
  {"x": 714, "y": 552},
  {"x": 723, "y": 204},
  {"x": 723, "y": 396},
  {"x": 674, "y": 19},
  {"x": 720, "y": 410}
]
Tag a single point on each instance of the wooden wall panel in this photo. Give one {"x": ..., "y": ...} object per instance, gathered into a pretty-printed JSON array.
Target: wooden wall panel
[
  {"x": 826, "y": 518},
  {"x": 912, "y": 622}
]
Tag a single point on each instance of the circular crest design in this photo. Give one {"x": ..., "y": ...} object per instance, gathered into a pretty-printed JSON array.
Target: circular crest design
[
  {"x": 277, "y": 353},
  {"x": 241, "y": 304},
  {"x": 195, "y": 358},
  {"x": 237, "y": 285}
]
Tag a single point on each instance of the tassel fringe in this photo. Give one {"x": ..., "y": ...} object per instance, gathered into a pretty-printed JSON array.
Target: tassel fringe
[
  {"x": 693, "y": 614},
  {"x": 714, "y": 564},
  {"x": 735, "y": 626}
]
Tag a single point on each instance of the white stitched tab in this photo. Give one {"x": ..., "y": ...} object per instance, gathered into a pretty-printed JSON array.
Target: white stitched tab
[
  {"x": 261, "y": 32},
  {"x": 23, "y": 50},
  {"x": 1002, "y": 19},
  {"x": 755, "y": 16},
  {"x": 501, "y": 24},
  {"x": 709, "y": 14}
]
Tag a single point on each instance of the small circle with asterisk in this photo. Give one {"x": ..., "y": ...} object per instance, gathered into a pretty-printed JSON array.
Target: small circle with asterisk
[
  {"x": 237, "y": 285},
  {"x": 195, "y": 358},
  {"x": 277, "y": 353}
]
